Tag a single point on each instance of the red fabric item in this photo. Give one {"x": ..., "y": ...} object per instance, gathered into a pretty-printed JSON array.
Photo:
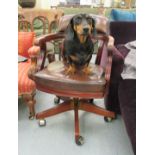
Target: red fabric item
[
  {"x": 25, "y": 41},
  {"x": 25, "y": 85}
]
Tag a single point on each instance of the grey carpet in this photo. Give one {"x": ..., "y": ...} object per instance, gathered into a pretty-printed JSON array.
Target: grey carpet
[{"x": 57, "y": 137}]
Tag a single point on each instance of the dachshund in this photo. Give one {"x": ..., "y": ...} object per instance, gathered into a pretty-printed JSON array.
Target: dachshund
[{"x": 78, "y": 46}]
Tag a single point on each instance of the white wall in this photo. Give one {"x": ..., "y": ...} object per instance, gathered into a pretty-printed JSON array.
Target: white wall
[
  {"x": 89, "y": 2},
  {"x": 108, "y": 3},
  {"x": 85, "y": 2},
  {"x": 44, "y": 4},
  {"x": 55, "y": 2}
]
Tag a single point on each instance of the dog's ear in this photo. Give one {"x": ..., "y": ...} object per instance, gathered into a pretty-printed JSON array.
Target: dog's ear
[
  {"x": 94, "y": 27},
  {"x": 70, "y": 31}
]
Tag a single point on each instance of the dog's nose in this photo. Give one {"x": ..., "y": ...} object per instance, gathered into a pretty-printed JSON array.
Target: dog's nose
[{"x": 85, "y": 30}]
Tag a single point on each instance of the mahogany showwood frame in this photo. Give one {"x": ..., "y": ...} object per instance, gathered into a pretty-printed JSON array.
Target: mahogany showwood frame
[{"x": 76, "y": 101}]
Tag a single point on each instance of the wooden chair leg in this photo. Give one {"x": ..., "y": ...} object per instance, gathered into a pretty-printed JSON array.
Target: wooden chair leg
[
  {"x": 76, "y": 121},
  {"x": 65, "y": 106},
  {"x": 96, "y": 110},
  {"x": 78, "y": 139},
  {"x": 30, "y": 101}
]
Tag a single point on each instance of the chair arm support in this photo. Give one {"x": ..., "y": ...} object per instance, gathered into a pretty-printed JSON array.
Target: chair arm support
[
  {"x": 110, "y": 48},
  {"x": 109, "y": 64},
  {"x": 41, "y": 41},
  {"x": 34, "y": 52},
  {"x": 111, "y": 41}
]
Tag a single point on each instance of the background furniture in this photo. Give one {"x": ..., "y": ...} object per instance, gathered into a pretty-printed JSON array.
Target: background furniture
[
  {"x": 24, "y": 25},
  {"x": 40, "y": 21},
  {"x": 122, "y": 15},
  {"x": 123, "y": 32},
  {"x": 127, "y": 101},
  {"x": 122, "y": 93},
  {"x": 49, "y": 17},
  {"x": 27, "y": 3},
  {"x": 78, "y": 88},
  {"x": 26, "y": 87}
]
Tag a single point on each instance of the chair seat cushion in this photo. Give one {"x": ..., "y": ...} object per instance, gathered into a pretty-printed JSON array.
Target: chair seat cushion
[
  {"x": 53, "y": 79},
  {"x": 25, "y": 85}
]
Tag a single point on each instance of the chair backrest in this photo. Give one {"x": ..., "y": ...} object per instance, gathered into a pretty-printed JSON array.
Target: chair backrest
[
  {"x": 25, "y": 41},
  {"x": 101, "y": 23},
  {"x": 100, "y": 40}
]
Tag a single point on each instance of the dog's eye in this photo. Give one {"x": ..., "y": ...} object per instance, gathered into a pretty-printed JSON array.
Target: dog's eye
[
  {"x": 78, "y": 20},
  {"x": 89, "y": 20}
]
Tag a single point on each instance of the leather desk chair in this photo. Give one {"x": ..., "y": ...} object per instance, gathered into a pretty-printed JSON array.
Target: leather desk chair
[{"x": 79, "y": 88}]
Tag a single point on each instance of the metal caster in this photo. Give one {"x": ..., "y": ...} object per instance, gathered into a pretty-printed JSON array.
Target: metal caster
[
  {"x": 79, "y": 140},
  {"x": 108, "y": 119},
  {"x": 91, "y": 101},
  {"x": 31, "y": 117},
  {"x": 56, "y": 100},
  {"x": 42, "y": 122}
]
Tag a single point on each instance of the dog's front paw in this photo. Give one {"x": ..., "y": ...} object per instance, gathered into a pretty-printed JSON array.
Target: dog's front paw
[
  {"x": 87, "y": 70},
  {"x": 70, "y": 70}
]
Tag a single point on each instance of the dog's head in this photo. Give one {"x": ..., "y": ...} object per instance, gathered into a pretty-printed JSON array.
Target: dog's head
[{"x": 81, "y": 25}]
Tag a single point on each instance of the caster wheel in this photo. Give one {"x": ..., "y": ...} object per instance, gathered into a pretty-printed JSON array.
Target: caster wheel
[
  {"x": 91, "y": 101},
  {"x": 108, "y": 119},
  {"x": 80, "y": 140},
  {"x": 31, "y": 117},
  {"x": 42, "y": 122},
  {"x": 56, "y": 100}
]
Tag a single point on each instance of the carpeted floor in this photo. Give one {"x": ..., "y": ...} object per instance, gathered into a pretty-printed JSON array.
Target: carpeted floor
[{"x": 57, "y": 137}]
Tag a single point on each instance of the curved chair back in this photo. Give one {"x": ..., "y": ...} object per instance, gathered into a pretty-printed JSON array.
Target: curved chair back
[{"x": 101, "y": 23}]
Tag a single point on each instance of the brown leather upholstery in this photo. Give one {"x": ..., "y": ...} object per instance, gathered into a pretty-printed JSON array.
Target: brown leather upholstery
[{"x": 54, "y": 78}]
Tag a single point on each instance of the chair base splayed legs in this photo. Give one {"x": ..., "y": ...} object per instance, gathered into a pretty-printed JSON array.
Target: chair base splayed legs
[{"x": 76, "y": 105}]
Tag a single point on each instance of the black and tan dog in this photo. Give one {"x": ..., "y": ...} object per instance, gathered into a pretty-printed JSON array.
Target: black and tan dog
[{"x": 78, "y": 46}]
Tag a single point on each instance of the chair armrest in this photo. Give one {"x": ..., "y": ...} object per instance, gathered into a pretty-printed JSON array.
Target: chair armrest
[
  {"x": 33, "y": 52},
  {"x": 110, "y": 48},
  {"x": 41, "y": 41},
  {"x": 111, "y": 41}
]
